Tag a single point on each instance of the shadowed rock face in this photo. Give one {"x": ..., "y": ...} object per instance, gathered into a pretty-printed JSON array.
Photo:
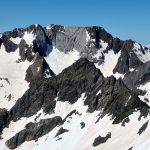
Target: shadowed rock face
[
  {"x": 143, "y": 128},
  {"x": 9, "y": 45},
  {"x": 25, "y": 51},
  {"x": 140, "y": 75},
  {"x": 98, "y": 34},
  {"x": 0, "y": 42},
  {"x": 38, "y": 69},
  {"x": 128, "y": 59},
  {"x": 115, "y": 99},
  {"x": 40, "y": 43}
]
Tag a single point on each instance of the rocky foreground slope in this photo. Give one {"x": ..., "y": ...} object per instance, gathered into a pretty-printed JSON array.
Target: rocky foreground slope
[{"x": 73, "y": 88}]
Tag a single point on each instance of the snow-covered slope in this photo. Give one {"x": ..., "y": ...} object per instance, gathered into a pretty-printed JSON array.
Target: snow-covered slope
[
  {"x": 144, "y": 56},
  {"x": 58, "y": 60},
  {"x": 12, "y": 78},
  {"x": 81, "y": 130}
]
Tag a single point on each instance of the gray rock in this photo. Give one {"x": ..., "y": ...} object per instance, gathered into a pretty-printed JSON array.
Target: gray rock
[{"x": 140, "y": 75}]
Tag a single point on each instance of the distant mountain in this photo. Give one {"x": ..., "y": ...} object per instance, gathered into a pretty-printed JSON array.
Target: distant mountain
[
  {"x": 148, "y": 46},
  {"x": 73, "y": 88}
]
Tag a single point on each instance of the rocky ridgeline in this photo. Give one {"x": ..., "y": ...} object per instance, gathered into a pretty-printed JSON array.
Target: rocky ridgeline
[
  {"x": 81, "y": 77},
  {"x": 66, "y": 39}
]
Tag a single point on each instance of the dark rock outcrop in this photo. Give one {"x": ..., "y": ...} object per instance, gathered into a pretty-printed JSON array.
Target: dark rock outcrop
[
  {"x": 98, "y": 33},
  {"x": 82, "y": 125},
  {"x": 128, "y": 58},
  {"x": 33, "y": 133},
  {"x": 17, "y": 32},
  {"x": 130, "y": 148},
  {"x": 9, "y": 45},
  {"x": 115, "y": 99},
  {"x": 143, "y": 128},
  {"x": 3, "y": 118},
  {"x": 78, "y": 78},
  {"x": 99, "y": 140},
  {"x": 139, "y": 76},
  {"x": 0, "y": 42},
  {"x": 61, "y": 131},
  {"x": 25, "y": 51},
  {"x": 41, "y": 44},
  {"x": 38, "y": 69}
]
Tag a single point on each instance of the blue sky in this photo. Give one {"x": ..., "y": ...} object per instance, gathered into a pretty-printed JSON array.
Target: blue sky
[{"x": 122, "y": 18}]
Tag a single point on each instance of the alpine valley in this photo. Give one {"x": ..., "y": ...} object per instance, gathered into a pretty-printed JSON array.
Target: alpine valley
[{"x": 73, "y": 88}]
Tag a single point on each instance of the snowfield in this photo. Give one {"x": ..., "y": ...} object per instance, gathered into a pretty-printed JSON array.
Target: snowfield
[
  {"x": 58, "y": 60},
  {"x": 14, "y": 71}
]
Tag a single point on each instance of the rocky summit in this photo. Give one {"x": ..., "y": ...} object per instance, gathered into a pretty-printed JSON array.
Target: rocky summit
[{"x": 73, "y": 88}]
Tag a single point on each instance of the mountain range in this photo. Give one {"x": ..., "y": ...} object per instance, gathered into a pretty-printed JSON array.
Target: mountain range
[{"x": 71, "y": 88}]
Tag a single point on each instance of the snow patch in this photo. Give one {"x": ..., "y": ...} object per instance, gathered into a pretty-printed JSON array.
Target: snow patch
[
  {"x": 15, "y": 40},
  {"x": 29, "y": 37},
  {"x": 118, "y": 75},
  {"x": 99, "y": 92},
  {"x": 38, "y": 69},
  {"x": 101, "y": 50},
  {"x": 109, "y": 64},
  {"x": 131, "y": 69},
  {"x": 58, "y": 60},
  {"x": 15, "y": 72},
  {"x": 49, "y": 27},
  {"x": 87, "y": 37},
  {"x": 142, "y": 57},
  {"x": 146, "y": 88}
]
